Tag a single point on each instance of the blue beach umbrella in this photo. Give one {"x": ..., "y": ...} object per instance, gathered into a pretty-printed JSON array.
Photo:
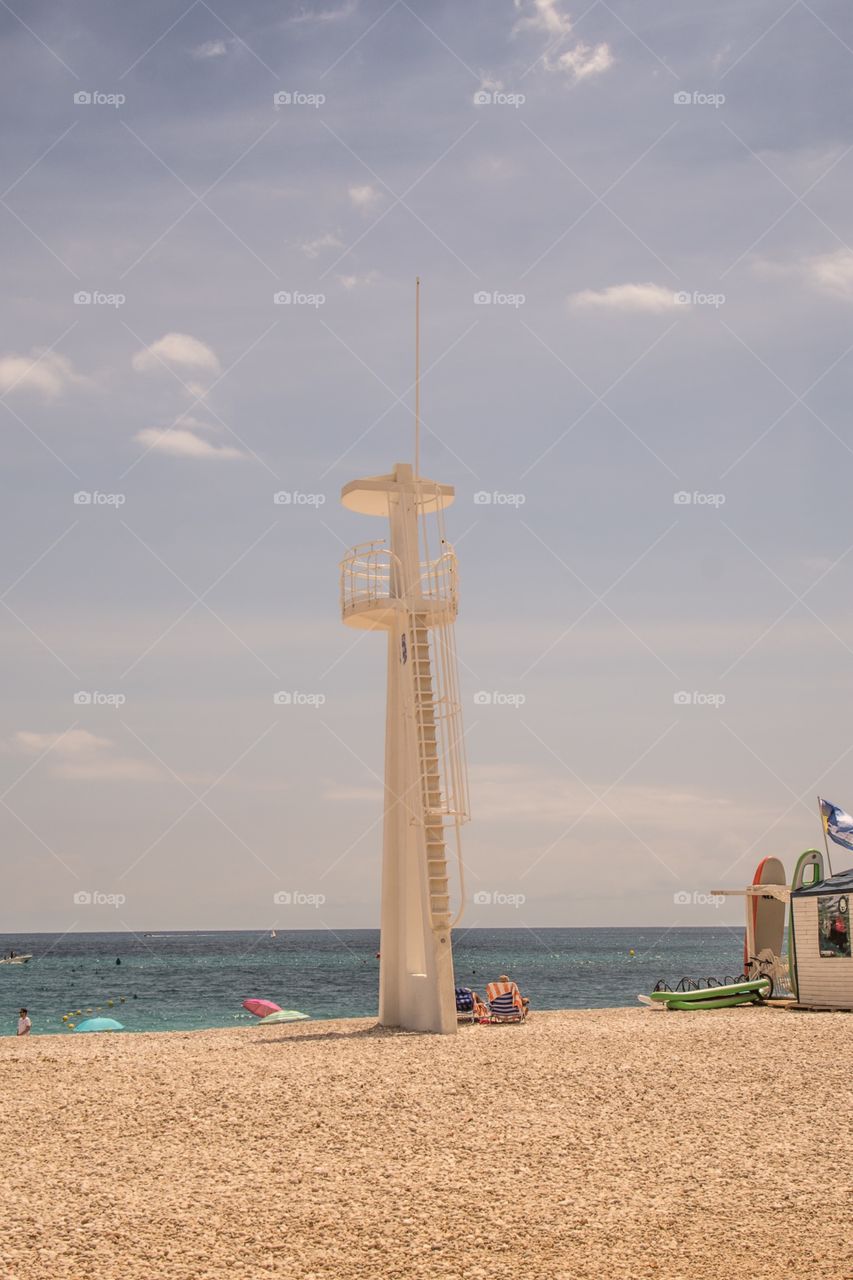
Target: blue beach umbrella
[{"x": 100, "y": 1024}]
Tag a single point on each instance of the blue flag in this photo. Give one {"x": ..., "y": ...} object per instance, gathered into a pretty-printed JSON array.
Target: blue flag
[{"x": 837, "y": 824}]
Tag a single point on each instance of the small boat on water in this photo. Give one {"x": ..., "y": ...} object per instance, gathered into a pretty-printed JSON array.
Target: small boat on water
[{"x": 15, "y": 959}]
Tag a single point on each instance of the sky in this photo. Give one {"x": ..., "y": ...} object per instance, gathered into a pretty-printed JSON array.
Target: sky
[{"x": 632, "y": 226}]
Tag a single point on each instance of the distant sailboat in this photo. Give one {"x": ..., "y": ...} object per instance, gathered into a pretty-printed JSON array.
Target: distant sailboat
[{"x": 272, "y": 933}]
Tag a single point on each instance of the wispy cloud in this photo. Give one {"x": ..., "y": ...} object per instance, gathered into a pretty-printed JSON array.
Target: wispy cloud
[
  {"x": 323, "y": 16},
  {"x": 506, "y": 792},
  {"x": 182, "y": 441},
  {"x": 81, "y": 756},
  {"x": 547, "y": 17},
  {"x": 832, "y": 272},
  {"x": 180, "y": 349},
  {"x": 542, "y": 15},
  {"x": 355, "y": 282},
  {"x": 329, "y": 240},
  {"x": 210, "y": 49},
  {"x": 365, "y": 198},
  {"x": 828, "y": 273},
  {"x": 626, "y": 297},
  {"x": 47, "y": 374},
  {"x": 583, "y": 61}
]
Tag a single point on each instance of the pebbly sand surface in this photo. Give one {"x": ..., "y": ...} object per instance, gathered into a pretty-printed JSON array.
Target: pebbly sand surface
[{"x": 618, "y": 1144}]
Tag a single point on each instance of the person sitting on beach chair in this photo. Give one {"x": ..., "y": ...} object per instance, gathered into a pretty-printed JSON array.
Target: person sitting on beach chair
[
  {"x": 506, "y": 1003},
  {"x": 469, "y": 1006}
]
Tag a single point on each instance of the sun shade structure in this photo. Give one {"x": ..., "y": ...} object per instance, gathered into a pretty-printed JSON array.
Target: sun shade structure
[
  {"x": 260, "y": 1008},
  {"x": 407, "y": 588},
  {"x": 283, "y": 1015},
  {"x": 100, "y": 1024}
]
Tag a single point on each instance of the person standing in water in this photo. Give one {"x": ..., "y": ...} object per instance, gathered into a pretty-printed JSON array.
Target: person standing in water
[{"x": 24, "y": 1023}]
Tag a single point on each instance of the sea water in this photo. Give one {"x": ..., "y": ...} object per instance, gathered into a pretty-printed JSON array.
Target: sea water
[{"x": 184, "y": 981}]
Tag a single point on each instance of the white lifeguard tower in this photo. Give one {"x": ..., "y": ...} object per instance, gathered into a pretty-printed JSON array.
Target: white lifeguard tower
[{"x": 407, "y": 587}]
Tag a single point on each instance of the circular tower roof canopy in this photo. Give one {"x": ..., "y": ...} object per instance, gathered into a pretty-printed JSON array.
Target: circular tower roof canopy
[{"x": 370, "y": 496}]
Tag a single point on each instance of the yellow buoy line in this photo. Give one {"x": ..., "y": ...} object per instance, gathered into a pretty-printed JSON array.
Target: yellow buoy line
[{"x": 78, "y": 1013}]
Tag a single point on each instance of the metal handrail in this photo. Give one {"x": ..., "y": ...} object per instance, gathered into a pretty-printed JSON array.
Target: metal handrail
[
  {"x": 370, "y": 571},
  {"x": 366, "y": 574}
]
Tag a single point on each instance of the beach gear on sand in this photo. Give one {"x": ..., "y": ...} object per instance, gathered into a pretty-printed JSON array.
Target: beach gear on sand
[
  {"x": 260, "y": 1008},
  {"x": 721, "y": 1002},
  {"x": 768, "y": 913},
  {"x": 100, "y": 1024},
  {"x": 712, "y": 997},
  {"x": 283, "y": 1015},
  {"x": 505, "y": 1002}
]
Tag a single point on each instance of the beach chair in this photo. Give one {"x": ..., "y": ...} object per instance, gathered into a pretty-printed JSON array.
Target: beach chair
[
  {"x": 505, "y": 1002},
  {"x": 464, "y": 1004},
  {"x": 469, "y": 1006}
]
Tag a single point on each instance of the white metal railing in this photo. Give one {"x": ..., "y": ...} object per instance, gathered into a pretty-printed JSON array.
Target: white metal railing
[
  {"x": 367, "y": 573},
  {"x": 371, "y": 574},
  {"x": 438, "y": 580}
]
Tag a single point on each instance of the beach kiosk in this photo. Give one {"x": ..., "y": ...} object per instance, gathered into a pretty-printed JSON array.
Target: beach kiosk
[{"x": 821, "y": 942}]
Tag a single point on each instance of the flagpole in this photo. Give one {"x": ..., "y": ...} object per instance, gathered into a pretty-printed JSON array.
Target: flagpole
[{"x": 825, "y": 841}]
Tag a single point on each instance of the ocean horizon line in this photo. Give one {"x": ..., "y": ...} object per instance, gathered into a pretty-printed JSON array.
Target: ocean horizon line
[{"x": 508, "y": 928}]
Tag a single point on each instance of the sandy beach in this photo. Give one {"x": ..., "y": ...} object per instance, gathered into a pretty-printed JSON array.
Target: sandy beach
[{"x": 621, "y": 1143}]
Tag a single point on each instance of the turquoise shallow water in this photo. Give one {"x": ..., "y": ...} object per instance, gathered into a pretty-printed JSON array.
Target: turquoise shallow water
[{"x": 183, "y": 981}]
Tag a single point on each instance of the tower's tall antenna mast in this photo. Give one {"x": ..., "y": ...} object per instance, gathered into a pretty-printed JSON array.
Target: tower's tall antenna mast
[{"x": 417, "y": 376}]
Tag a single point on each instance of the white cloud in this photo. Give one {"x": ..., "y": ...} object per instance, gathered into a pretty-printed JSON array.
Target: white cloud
[
  {"x": 627, "y": 297},
  {"x": 325, "y": 15},
  {"x": 179, "y": 349},
  {"x": 365, "y": 198},
  {"x": 542, "y": 15},
  {"x": 353, "y": 282},
  {"x": 832, "y": 272},
  {"x": 210, "y": 49},
  {"x": 47, "y": 373},
  {"x": 313, "y": 248},
  {"x": 582, "y": 61},
  {"x": 547, "y": 17},
  {"x": 489, "y": 84},
  {"x": 73, "y": 743},
  {"x": 82, "y": 756},
  {"x": 506, "y": 792},
  {"x": 181, "y": 441}
]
